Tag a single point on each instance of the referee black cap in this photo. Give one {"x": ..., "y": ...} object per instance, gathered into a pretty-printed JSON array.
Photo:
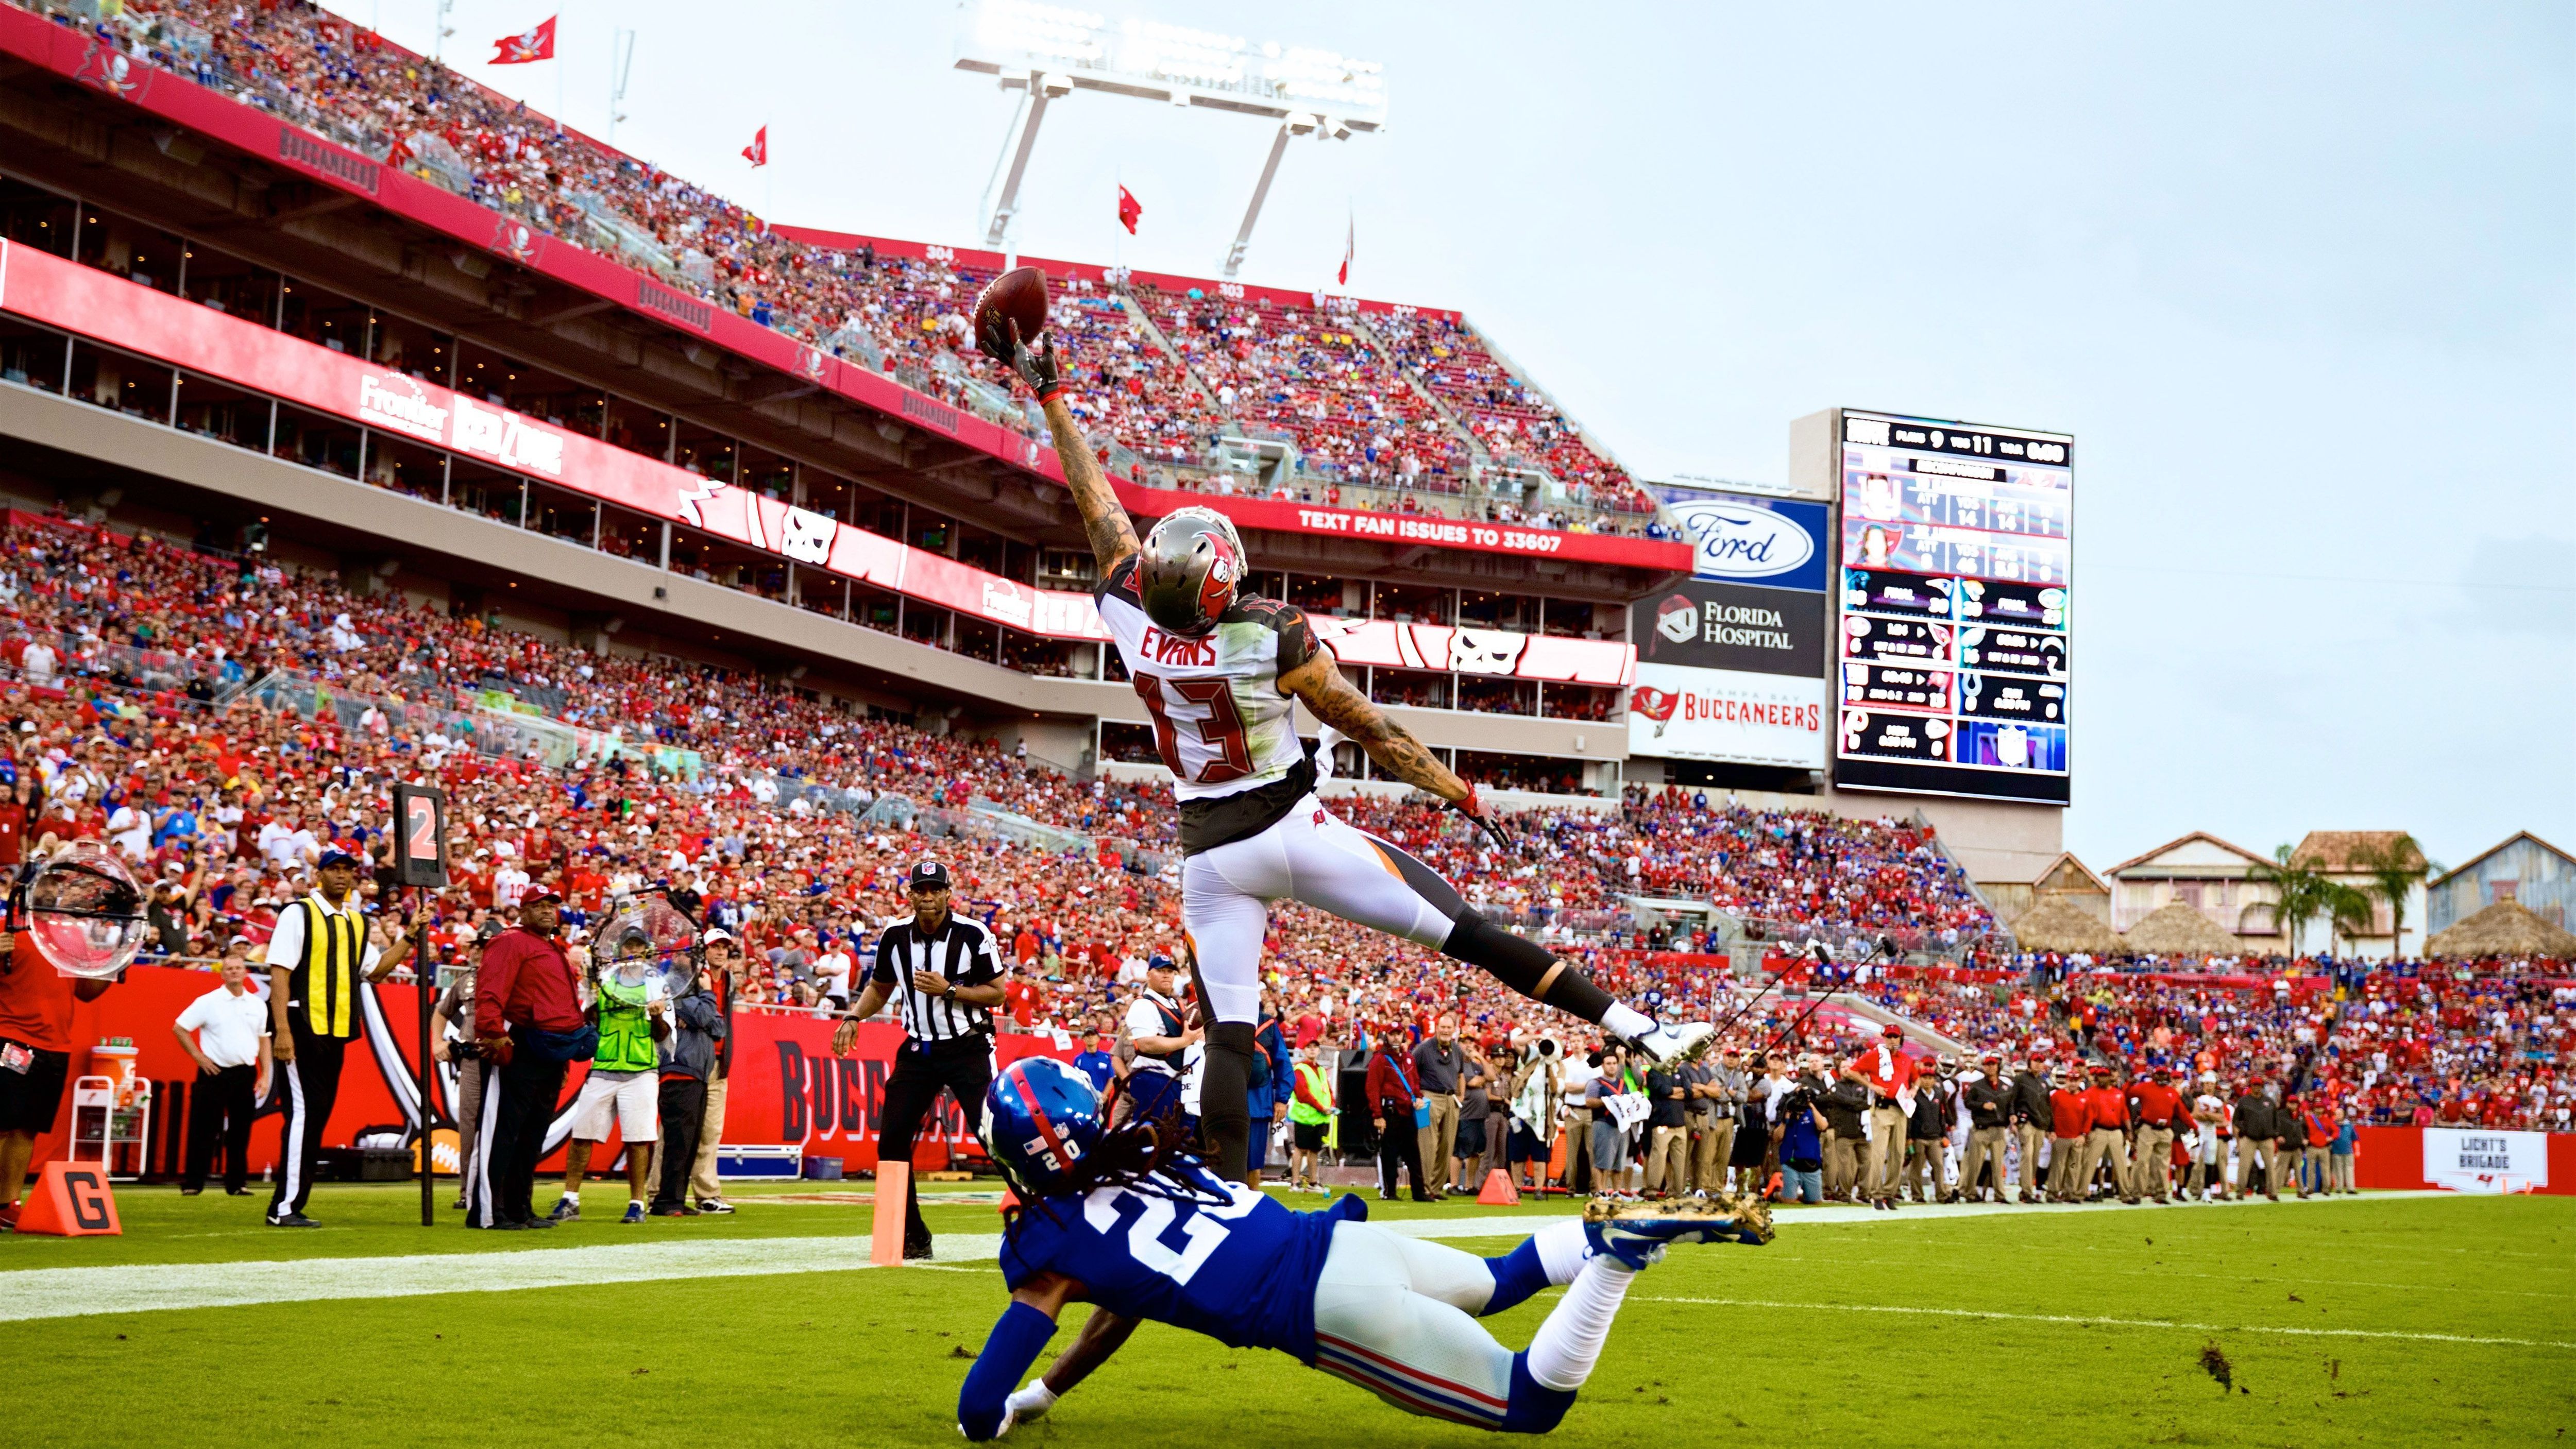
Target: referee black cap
[{"x": 929, "y": 875}]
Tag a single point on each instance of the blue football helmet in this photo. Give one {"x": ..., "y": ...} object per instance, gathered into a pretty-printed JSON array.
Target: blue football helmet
[{"x": 1041, "y": 1117}]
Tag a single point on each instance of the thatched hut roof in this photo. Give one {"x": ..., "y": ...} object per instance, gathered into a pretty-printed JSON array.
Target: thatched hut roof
[
  {"x": 2055, "y": 925},
  {"x": 2179, "y": 930},
  {"x": 2507, "y": 928}
]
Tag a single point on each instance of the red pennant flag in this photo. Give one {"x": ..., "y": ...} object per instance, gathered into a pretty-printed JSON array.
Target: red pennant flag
[
  {"x": 1350, "y": 248},
  {"x": 1129, "y": 208},
  {"x": 757, "y": 153},
  {"x": 536, "y": 43}
]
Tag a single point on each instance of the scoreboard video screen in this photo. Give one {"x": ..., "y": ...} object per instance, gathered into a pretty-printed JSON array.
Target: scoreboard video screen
[{"x": 1956, "y": 610}]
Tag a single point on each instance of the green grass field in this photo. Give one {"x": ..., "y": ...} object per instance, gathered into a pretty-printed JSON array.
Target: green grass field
[{"x": 2379, "y": 1320}]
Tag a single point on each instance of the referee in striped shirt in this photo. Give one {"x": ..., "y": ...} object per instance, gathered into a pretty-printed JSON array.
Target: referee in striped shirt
[{"x": 945, "y": 977}]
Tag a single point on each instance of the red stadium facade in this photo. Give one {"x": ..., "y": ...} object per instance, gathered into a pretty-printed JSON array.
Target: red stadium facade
[{"x": 723, "y": 444}]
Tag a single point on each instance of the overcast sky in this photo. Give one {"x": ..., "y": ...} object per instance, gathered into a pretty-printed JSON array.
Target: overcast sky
[{"x": 2301, "y": 281}]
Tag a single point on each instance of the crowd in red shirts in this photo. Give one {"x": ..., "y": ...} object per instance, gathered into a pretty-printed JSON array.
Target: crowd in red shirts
[
  {"x": 771, "y": 811},
  {"x": 1343, "y": 395},
  {"x": 2488, "y": 1043}
]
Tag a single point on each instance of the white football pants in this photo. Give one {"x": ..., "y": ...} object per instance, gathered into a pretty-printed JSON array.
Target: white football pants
[{"x": 1309, "y": 855}]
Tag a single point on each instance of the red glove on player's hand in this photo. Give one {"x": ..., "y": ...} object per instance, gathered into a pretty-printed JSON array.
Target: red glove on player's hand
[{"x": 1473, "y": 807}]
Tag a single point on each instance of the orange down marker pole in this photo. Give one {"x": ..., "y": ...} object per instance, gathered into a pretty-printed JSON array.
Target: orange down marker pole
[{"x": 885, "y": 1230}]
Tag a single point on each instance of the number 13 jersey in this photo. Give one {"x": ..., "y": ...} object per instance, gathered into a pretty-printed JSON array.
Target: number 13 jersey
[{"x": 1221, "y": 724}]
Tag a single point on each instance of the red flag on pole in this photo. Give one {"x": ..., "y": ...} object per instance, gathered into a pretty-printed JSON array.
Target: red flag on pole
[
  {"x": 1350, "y": 248},
  {"x": 535, "y": 43},
  {"x": 757, "y": 153},
  {"x": 1129, "y": 208}
]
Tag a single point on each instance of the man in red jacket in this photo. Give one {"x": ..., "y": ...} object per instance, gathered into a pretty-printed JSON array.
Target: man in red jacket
[
  {"x": 1889, "y": 1074},
  {"x": 1393, "y": 1100},
  {"x": 2070, "y": 1114},
  {"x": 2156, "y": 1104},
  {"x": 2108, "y": 1141},
  {"x": 528, "y": 1016}
]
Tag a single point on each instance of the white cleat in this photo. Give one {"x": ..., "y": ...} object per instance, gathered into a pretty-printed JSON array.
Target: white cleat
[{"x": 1675, "y": 1043}]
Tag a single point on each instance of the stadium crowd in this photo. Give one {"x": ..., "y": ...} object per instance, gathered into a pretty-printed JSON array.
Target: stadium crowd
[
  {"x": 1359, "y": 409},
  {"x": 766, "y": 814}
]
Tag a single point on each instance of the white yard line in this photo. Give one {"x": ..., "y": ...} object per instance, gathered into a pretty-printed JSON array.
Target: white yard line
[
  {"x": 71, "y": 1292},
  {"x": 2108, "y": 1322}
]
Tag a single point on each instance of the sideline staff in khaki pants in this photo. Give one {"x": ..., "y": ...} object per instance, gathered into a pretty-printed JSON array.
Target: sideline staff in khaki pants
[
  {"x": 2030, "y": 1123},
  {"x": 2108, "y": 1139},
  {"x": 1989, "y": 1100},
  {"x": 1889, "y": 1074},
  {"x": 724, "y": 975}
]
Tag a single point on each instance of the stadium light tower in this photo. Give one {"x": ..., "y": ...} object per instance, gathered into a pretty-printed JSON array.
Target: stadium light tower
[{"x": 1046, "y": 52}]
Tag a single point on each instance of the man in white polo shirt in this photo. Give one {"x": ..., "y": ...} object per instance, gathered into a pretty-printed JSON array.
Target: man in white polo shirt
[{"x": 226, "y": 1032}]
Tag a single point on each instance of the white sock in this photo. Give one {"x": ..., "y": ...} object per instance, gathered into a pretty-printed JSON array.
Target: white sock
[
  {"x": 572, "y": 1197},
  {"x": 1562, "y": 1251},
  {"x": 1626, "y": 1022},
  {"x": 1568, "y": 1344}
]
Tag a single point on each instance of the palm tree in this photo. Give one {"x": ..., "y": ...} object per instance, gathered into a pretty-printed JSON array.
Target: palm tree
[
  {"x": 2395, "y": 870},
  {"x": 2347, "y": 912},
  {"x": 2302, "y": 895}
]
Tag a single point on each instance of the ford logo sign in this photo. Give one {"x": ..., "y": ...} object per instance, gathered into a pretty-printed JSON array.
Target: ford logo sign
[{"x": 1734, "y": 541}]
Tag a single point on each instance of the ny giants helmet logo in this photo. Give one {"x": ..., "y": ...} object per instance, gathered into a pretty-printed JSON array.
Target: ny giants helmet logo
[{"x": 1216, "y": 591}]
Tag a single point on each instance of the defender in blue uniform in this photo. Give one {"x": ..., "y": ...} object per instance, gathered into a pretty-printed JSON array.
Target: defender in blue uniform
[{"x": 1129, "y": 1222}]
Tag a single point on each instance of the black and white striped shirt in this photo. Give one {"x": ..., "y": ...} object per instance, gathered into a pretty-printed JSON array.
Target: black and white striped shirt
[{"x": 961, "y": 950}]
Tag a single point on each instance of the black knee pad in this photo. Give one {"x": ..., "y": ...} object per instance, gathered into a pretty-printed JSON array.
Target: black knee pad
[
  {"x": 1521, "y": 964},
  {"x": 1224, "y": 1088}
]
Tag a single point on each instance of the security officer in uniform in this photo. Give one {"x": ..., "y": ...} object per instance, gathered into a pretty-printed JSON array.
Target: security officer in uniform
[
  {"x": 315, "y": 963},
  {"x": 945, "y": 977}
]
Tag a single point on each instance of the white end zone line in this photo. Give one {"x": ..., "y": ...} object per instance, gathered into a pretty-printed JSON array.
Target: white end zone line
[{"x": 136, "y": 1288}]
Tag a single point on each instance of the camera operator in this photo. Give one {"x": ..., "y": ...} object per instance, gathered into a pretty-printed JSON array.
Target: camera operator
[
  {"x": 1798, "y": 1135},
  {"x": 688, "y": 1057}
]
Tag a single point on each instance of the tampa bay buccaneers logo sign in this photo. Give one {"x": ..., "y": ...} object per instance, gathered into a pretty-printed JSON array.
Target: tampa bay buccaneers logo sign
[
  {"x": 1655, "y": 704},
  {"x": 113, "y": 71}
]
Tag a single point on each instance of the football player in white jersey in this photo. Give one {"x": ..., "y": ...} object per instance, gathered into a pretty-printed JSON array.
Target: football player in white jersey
[{"x": 1221, "y": 673}]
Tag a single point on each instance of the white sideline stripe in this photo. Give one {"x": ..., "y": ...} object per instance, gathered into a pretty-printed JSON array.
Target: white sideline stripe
[
  {"x": 137, "y": 1288},
  {"x": 70, "y": 1292},
  {"x": 2112, "y": 1322}
]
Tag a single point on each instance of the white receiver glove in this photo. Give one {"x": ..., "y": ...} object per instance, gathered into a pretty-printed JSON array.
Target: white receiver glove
[
  {"x": 1326, "y": 737},
  {"x": 1029, "y": 1403}
]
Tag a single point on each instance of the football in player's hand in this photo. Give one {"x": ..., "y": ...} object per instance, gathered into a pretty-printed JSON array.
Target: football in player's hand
[{"x": 1019, "y": 295}]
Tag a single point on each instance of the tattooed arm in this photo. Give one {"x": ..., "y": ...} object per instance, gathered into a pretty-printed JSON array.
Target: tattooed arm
[
  {"x": 1113, "y": 538},
  {"x": 1330, "y": 698}
]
